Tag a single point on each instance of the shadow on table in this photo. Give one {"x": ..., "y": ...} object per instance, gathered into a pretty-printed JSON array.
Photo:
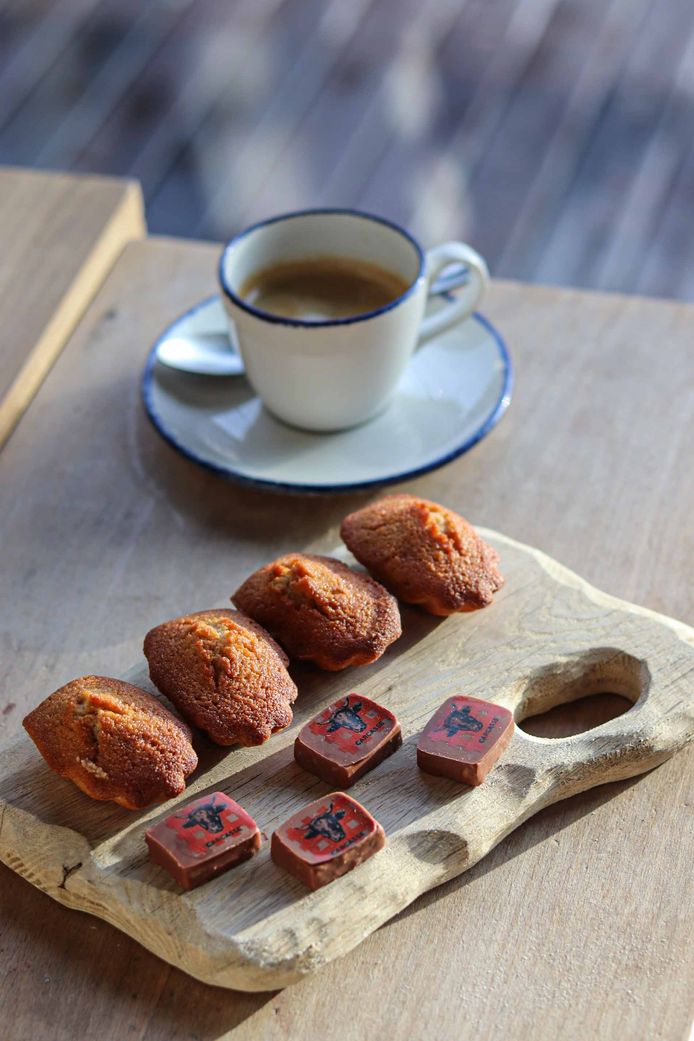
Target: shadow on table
[
  {"x": 544, "y": 825},
  {"x": 120, "y": 987},
  {"x": 242, "y": 512}
]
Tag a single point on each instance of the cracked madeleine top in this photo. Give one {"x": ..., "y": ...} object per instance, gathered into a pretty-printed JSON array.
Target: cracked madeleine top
[
  {"x": 114, "y": 741},
  {"x": 425, "y": 553},
  {"x": 224, "y": 673},
  {"x": 321, "y": 611}
]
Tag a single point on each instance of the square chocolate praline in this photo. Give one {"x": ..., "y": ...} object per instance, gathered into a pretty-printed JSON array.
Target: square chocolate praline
[
  {"x": 202, "y": 839},
  {"x": 326, "y": 839},
  {"x": 347, "y": 739},
  {"x": 464, "y": 738}
]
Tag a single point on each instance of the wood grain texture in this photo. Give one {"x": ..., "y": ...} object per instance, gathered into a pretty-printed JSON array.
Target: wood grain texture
[
  {"x": 61, "y": 234},
  {"x": 586, "y": 909},
  {"x": 549, "y": 638}
]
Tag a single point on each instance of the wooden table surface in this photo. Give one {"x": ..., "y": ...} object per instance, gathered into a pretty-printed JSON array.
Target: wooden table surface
[
  {"x": 60, "y": 236},
  {"x": 577, "y": 926}
]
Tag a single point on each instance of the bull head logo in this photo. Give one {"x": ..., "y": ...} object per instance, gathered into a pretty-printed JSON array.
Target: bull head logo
[
  {"x": 207, "y": 816},
  {"x": 460, "y": 719},
  {"x": 326, "y": 824},
  {"x": 348, "y": 717}
]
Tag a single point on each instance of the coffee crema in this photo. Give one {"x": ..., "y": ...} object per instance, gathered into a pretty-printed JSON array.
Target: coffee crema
[{"x": 317, "y": 289}]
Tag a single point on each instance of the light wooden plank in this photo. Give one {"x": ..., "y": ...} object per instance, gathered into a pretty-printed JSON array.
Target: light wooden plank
[
  {"x": 61, "y": 236},
  {"x": 232, "y": 64},
  {"x": 437, "y": 76},
  {"x": 374, "y": 137},
  {"x": 245, "y": 156},
  {"x": 36, "y": 35},
  {"x": 148, "y": 30},
  {"x": 105, "y": 531},
  {"x": 492, "y": 94},
  {"x": 611, "y": 160},
  {"x": 603, "y": 49},
  {"x": 144, "y": 132},
  {"x": 70, "y": 44},
  {"x": 554, "y": 134},
  {"x": 366, "y": 104},
  {"x": 635, "y": 228},
  {"x": 562, "y": 59},
  {"x": 668, "y": 265}
]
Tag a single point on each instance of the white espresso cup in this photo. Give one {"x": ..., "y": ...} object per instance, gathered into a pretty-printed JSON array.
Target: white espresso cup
[{"x": 332, "y": 374}]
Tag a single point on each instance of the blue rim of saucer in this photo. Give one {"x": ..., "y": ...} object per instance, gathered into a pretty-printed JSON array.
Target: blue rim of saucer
[
  {"x": 500, "y": 406},
  {"x": 303, "y": 323}
]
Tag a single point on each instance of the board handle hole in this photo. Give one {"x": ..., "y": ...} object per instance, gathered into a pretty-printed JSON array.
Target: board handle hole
[
  {"x": 576, "y": 717},
  {"x": 582, "y": 692}
]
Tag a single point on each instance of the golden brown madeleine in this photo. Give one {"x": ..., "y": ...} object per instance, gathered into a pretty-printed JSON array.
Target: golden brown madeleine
[
  {"x": 321, "y": 611},
  {"x": 114, "y": 741},
  {"x": 425, "y": 553},
  {"x": 224, "y": 673}
]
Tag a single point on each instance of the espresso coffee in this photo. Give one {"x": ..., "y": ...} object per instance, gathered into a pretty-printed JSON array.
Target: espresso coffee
[{"x": 320, "y": 288}]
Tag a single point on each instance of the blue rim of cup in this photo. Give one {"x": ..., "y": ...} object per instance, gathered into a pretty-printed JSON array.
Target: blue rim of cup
[
  {"x": 323, "y": 323},
  {"x": 266, "y": 484}
]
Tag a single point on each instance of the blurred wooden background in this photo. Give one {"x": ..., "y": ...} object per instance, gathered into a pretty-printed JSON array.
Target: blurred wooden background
[{"x": 556, "y": 135}]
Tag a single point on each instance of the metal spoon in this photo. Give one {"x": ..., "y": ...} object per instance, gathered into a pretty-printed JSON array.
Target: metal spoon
[{"x": 205, "y": 354}]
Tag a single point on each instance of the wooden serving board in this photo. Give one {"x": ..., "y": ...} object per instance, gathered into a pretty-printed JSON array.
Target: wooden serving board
[{"x": 549, "y": 638}]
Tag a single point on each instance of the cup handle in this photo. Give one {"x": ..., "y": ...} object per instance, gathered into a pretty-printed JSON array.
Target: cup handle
[{"x": 466, "y": 301}]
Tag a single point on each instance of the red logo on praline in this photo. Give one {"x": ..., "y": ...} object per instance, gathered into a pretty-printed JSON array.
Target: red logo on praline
[
  {"x": 349, "y": 724},
  {"x": 330, "y": 831},
  {"x": 457, "y": 726},
  {"x": 207, "y": 823}
]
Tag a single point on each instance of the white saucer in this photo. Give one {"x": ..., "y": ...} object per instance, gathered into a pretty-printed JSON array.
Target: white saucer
[{"x": 454, "y": 391}]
